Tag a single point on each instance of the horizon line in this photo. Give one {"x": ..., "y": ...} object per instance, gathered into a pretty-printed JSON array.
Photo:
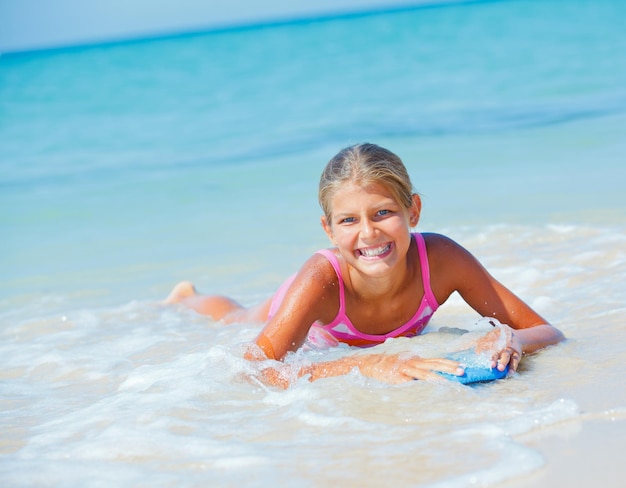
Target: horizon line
[{"x": 243, "y": 26}]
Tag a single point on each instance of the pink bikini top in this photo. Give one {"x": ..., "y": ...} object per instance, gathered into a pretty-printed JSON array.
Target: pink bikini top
[{"x": 341, "y": 327}]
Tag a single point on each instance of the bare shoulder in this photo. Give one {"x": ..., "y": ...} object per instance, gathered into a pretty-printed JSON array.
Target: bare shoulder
[
  {"x": 319, "y": 270},
  {"x": 308, "y": 298},
  {"x": 452, "y": 267},
  {"x": 313, "y": 294},
  {"x": 442, "y": 249}
]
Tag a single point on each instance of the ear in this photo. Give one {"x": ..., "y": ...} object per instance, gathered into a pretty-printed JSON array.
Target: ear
[
  {"x": 415, "y": 210},
  {"x": 328, "y": 229}
]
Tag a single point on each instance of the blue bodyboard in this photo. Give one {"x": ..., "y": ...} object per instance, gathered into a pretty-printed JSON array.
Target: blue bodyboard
[{"x": 477, "y": 369}]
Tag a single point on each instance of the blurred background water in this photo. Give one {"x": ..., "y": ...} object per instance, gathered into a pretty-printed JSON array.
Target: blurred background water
[{"x": 126, "y": 167}]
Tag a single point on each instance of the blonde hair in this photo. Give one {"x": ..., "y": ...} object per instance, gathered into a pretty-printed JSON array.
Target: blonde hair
[{"x": 365, "y": 164}]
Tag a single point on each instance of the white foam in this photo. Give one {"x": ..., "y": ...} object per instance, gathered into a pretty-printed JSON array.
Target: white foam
[
  {"x": 561, "y": 410},
  {"x": 124, "y": 389}
]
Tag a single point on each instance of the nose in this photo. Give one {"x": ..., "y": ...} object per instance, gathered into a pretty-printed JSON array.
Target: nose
[{"x": 367, "y": 228}]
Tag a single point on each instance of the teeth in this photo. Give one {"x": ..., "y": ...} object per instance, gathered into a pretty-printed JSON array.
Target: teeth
[{"x": 377, "y": 251}]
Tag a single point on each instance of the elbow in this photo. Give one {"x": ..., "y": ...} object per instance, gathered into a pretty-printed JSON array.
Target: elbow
[
  {"x": 557, "y": 335},
  {"x": 560, "y": 337},
  {"x": 539, "y": 337},
  {"x": 266, "y": 346}
]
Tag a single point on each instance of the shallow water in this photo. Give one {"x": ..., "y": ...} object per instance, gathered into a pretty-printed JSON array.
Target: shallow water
[
  {"x": 126, "y": 168},
  {"x": 142, "y": 394}
]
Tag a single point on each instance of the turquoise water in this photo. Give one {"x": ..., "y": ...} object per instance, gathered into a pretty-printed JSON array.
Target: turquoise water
[
  {"x": 127, "y": 167},
  {"x": 122, "y": 151}
]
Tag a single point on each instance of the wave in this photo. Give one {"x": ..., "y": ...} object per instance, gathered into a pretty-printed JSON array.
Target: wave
[
  {"x": 241, "y": 21},
  {"x": 68, "y": 168}
]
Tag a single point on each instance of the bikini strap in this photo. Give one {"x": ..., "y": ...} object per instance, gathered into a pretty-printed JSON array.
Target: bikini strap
[
  {"x": 425, "y": 269},
  {"x": 423, "y": 256}
]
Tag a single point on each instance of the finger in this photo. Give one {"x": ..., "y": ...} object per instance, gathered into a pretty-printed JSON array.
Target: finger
[
  {"x": 429, "y": 369},
  {"x": 514, "y": 362},
  {"x": 508, "y": 356},
  {"x": 503, "y": 360},
  {"x": 440, "y": 364},
  {"x": 424, "y": 375}
]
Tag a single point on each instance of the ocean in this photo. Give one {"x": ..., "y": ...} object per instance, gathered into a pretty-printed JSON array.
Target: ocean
[{"x": 127, "y": 167}]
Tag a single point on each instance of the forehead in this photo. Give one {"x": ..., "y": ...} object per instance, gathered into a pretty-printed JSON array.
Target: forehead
[{"x": 353, "y": 195}]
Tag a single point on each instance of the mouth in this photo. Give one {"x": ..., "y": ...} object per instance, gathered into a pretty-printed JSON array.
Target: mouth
[{"x": 374, "y": 252}]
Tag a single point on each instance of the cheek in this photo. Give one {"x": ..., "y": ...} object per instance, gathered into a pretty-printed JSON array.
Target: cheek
[
  {"x": 398, "y": 225},
  {"x": 343, "y": 236}
]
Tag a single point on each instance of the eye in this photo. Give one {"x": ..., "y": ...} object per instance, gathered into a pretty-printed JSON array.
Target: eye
[
  {"x": 383, "y": 212},
  {"x": 347, "y": 220}
]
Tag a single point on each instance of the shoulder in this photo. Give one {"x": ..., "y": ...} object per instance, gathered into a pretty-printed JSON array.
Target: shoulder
[
  {"x": 319, "y": 266},
  {"x": 440, "y": 247},
  {"x": 317, "y": 276},
  {"x": 314, "y": 292},
  {"x": 451, "y": 264}
]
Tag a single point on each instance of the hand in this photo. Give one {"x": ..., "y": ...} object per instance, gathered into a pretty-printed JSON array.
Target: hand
[
  {"x": 399, "y": 368},
  {"x": 504, "y": 346}
]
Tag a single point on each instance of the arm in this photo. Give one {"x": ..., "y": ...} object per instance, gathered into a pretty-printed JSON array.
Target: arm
[
  {"x": 313, "y": 296},
  {"x": 520, "y": 342},
  {"x": 455, "y": 269},
  {"x": 388, "y": 368}
]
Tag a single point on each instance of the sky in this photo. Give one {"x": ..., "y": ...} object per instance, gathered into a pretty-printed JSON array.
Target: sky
[{"x": 42, "y": 24}]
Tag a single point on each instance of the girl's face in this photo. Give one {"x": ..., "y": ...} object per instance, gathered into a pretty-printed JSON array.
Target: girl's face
[{"x": 370, "y": 228}]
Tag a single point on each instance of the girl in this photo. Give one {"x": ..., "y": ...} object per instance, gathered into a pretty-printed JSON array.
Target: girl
[{"x": 378, "y": 281}]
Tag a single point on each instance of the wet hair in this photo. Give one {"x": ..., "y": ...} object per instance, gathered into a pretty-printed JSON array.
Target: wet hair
[{"x": 365, "y": 164}]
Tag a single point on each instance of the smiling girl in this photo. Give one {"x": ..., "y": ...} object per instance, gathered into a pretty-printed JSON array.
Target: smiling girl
[{"x": 379, "y": 281}]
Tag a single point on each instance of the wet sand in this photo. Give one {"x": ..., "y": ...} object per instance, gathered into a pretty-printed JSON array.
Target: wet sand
[
  {"x": 586, "y": 451},
  {"x": 591, "y": 455}
]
